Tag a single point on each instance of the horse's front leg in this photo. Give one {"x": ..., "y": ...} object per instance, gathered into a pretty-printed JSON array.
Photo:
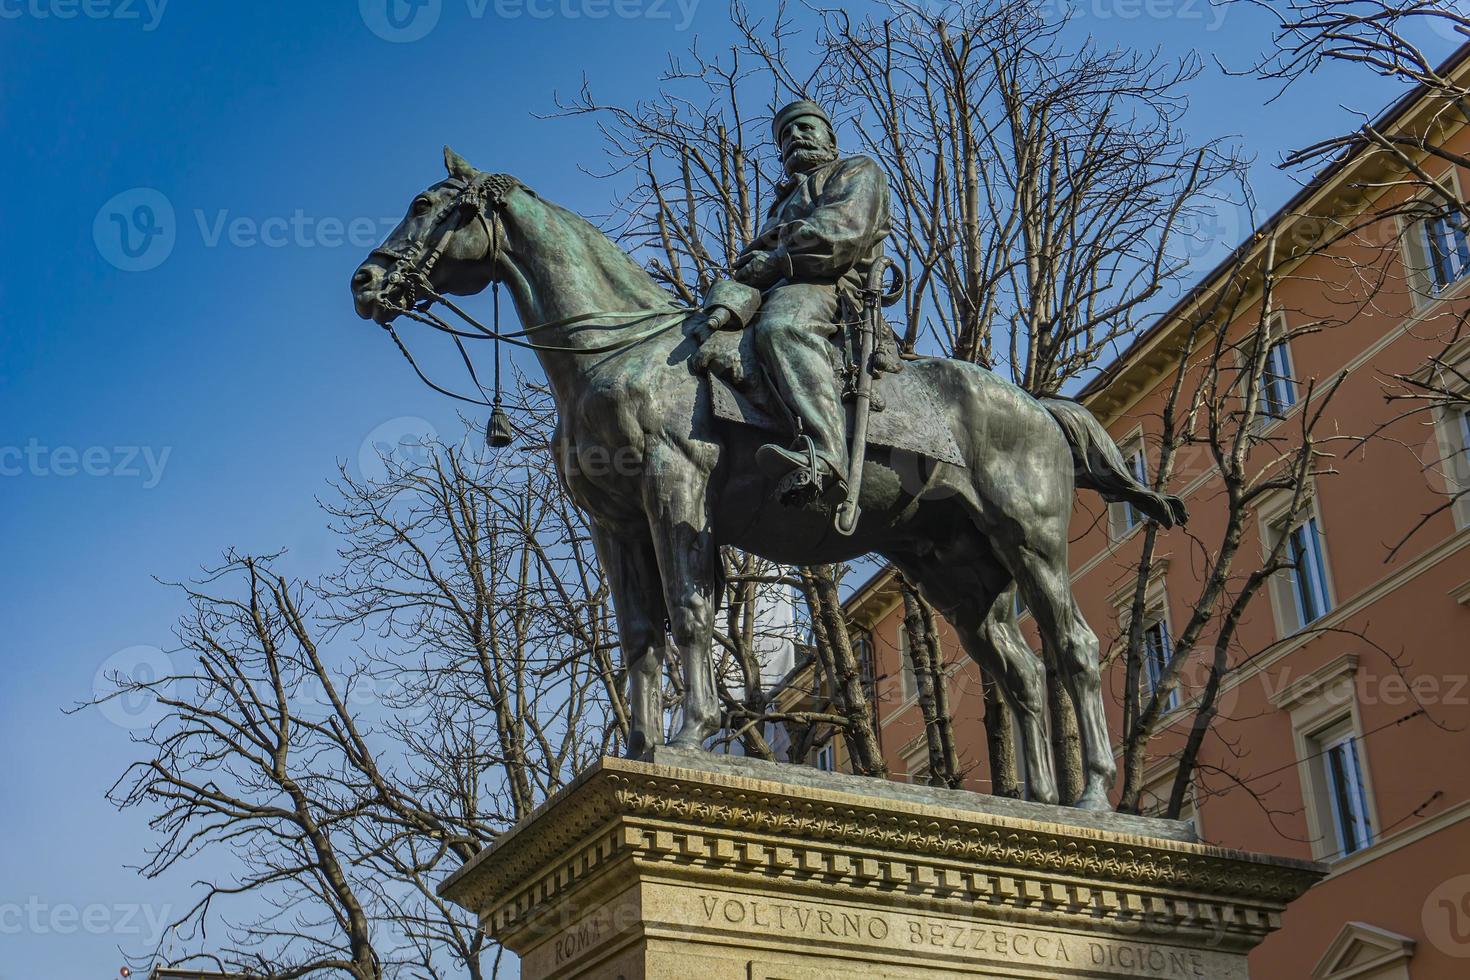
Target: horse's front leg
[
  {"x": 631, "y": 567},
  {"x": 677, "y": 501}
]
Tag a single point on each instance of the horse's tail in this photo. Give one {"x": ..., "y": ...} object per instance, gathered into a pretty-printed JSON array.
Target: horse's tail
[{"x": 1099, "y": 464}]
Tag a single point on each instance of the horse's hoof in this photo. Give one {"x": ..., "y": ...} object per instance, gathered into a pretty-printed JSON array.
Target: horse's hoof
[
  {"x": 1094, "y": 800},
  {"x": 1048, "y": 797},
  {"x": 691, "y": 737}
]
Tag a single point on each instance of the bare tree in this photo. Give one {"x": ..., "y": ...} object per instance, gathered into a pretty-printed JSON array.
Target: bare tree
[
  {"x": 245, "y": 759},
  {"x": 498, "y": 654},
  {"x": 479, "y": 573},
  {"x": 1045, "y": 196},
  {"x": 1045, "y": 190},
  {"x": 352, "y": 743}
]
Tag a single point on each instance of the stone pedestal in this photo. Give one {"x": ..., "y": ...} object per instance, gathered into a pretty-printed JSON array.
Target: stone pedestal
[{"x": 699, "y": 867}]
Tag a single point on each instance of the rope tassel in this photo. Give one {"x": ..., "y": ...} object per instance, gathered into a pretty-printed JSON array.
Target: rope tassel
[{"x": 498, "y": 434}]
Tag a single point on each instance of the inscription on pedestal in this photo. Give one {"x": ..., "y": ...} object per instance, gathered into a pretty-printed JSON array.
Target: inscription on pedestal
[{"x": 933, "y": 936}]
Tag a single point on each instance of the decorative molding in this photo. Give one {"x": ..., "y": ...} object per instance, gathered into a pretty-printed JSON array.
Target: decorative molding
[
  {"x": 1315, "y": 683},
  {"x": 1360, "y": 949},
  {"x": 652, "y": 820}
]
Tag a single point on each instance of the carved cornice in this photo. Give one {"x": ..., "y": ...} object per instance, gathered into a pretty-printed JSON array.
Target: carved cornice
[{"x": 647, "y": 820}]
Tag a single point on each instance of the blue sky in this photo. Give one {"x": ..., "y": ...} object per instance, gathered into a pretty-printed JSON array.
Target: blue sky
[{"x": 192, "y": 387}]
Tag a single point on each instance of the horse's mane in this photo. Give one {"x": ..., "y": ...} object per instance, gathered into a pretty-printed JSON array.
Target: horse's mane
[{"x": 597, "y": 239}]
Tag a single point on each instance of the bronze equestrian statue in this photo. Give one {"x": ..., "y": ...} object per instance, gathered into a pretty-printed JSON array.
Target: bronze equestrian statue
[{"x": 620, "y": 355}]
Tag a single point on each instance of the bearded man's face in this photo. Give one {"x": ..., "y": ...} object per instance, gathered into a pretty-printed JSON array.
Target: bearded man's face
[{"x": 806, "y": 143}]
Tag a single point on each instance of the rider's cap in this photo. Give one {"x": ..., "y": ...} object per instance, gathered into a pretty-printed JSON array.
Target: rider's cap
[{"x": 801, "y": 107}]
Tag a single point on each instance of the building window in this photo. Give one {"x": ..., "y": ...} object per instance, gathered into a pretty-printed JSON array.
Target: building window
[
  {"x": 827, "y": 758},
  {"x": 907, "y": 685},
  {"x": 915, "y": 758},
  {"x": 1347, "y": 826},
  {"x": 1454, "y": 433},
  {"x": 1462, "y": 431},
  {"x": 1158, "y": 651},
  {"x": 1154, "y": 799},
  {"x": 1301, "y": 593},
  {"x": 1123, "y": 516},
  {"x": 1308, "y": 573},
  {"x": 1436, "y": 250},
  {"x": 1363, "y": 951},
  {"x": 1446, "y": 252},
  {"x": 1278, "y": 385},
  {"x": 1337, "y": 786}
]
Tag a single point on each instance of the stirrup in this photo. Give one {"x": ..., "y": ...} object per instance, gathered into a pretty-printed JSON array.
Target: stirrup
[{"x": 801, "y": 480}]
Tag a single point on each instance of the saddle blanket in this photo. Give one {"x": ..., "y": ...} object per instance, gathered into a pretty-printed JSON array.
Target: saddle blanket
[{"x": 912, "y": 420}]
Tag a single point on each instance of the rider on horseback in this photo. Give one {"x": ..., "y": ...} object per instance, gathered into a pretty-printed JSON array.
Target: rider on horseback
[{"x": 821, "y": 238}]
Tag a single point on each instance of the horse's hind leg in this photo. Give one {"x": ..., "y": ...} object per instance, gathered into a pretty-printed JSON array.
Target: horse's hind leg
[
  {"x": 1040, "y": 567},
  {"x": 984, "y": 619},
  {"x": 1023, "y": 680}
]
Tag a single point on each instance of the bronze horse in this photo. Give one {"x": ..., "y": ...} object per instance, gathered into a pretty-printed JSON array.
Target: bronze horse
[{"x": 686, "y": 483}]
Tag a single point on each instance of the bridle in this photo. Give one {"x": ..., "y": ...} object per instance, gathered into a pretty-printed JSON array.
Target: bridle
[{"x": 483, "y": 198}]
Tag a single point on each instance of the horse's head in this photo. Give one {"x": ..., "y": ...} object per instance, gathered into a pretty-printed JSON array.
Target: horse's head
[{"x": 443, "y": 245}]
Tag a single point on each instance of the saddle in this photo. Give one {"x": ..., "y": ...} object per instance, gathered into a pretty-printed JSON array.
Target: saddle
[{"x": 905, "y": 413}]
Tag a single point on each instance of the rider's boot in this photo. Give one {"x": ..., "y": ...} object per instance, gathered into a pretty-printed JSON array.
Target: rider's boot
[{"x": 804, "y": 472}]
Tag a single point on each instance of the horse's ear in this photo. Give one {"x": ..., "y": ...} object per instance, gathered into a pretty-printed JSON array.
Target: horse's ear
[{"x": 457, "y": 165}]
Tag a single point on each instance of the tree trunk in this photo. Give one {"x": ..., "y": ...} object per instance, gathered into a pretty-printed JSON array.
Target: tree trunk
[
  {"x": 834, "y": 646},
  {"x": 1066, "y": 740},
  {"x": 1000, "y": 741},
  {"x": 928, "y": 667}
]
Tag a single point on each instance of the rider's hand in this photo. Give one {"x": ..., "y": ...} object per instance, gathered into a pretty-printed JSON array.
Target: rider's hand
[
  {"x": 759, "y": 269},
  {"x": 707, "y": 323}
]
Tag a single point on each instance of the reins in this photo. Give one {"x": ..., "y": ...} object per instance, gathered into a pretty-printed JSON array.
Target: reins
[{"x": 412, "y": 265}]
